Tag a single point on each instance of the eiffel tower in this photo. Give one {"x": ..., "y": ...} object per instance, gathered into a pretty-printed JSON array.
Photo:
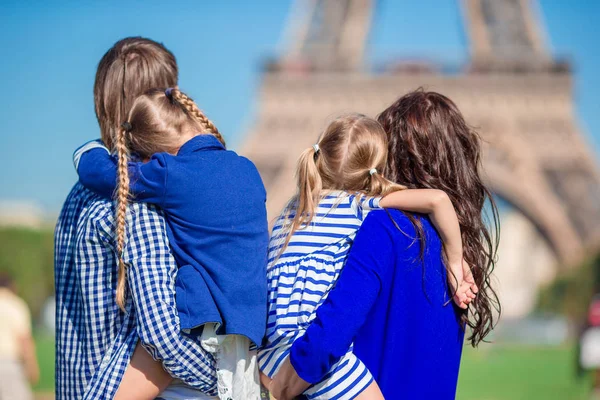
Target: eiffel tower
[{"x": 518, "y": 96}]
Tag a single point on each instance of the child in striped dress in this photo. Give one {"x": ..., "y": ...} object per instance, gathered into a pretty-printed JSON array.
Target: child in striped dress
[{"x": 339, "y": 182}]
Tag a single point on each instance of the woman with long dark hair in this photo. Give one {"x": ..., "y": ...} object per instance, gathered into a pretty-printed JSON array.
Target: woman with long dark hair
[{"x": 392, "y": 296}]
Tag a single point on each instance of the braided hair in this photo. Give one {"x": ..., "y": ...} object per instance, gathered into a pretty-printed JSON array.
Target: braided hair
[
  {"x": 122, "y": 195},
  {"x": 159, "y": 121},
  {"x": 193, "y": 110}
]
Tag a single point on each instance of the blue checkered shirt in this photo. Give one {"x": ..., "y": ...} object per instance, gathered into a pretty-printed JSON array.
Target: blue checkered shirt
[{"x": 94, "y": 338}]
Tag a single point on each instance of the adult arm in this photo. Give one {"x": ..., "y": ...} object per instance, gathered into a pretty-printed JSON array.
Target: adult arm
[
  {"x": 151, "y": 279},
  {"x": 342, "y": 314},
  {"x": 97, "y": 170},
  {"x": 22, "y": 323},
  {"x": 30, "y": 361}
]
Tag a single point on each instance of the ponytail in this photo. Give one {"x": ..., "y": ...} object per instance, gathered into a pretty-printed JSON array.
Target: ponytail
[
  {"x": 192, "y": 109},
  {"x": 380, "y": 185},
  {"x": 121, "y": 214},
  {"x": 310, "y": 186}
]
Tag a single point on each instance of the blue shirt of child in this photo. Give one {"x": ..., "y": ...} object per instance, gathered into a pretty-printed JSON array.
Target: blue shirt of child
[{"x": 215, "y": 206}]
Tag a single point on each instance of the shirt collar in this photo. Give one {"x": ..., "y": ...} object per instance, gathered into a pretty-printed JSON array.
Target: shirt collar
[{"x": 201, "y": 142}]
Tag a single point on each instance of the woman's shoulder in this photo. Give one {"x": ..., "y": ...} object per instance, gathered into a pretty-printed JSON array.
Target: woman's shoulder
[
  {"x": 387, "y": 218},
  {"x": 395, "y": 221}
]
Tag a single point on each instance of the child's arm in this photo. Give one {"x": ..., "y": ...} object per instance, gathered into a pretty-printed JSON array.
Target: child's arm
[
  {"x": 144, "y": 378},
  {"x": 97, "y": 171},
  {"x": 438, "y": 206}
]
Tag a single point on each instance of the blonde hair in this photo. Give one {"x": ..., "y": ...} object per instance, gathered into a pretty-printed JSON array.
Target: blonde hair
[
  {"x": 157, "y": 122},
  {"x": 349, "y": 156}
]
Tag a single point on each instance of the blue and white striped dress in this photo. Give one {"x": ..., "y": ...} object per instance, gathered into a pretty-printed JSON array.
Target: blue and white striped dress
[{"x": 299, "y": 280}]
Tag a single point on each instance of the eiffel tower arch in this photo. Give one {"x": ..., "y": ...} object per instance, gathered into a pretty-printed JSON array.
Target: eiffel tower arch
[{"x": 518, "y": 96}]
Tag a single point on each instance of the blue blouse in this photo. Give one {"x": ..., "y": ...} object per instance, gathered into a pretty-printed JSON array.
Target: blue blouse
[
  {"x": 393, "y": 305},
  {"x": 214, "y": 204}
]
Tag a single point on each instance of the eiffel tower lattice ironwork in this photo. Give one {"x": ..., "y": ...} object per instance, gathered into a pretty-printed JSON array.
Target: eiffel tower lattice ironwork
[{"x": 512, "y": 89}]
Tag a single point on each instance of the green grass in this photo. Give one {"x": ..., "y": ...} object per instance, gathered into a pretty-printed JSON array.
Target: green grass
[
  {"x": 490, "y": 373},
  {"x": 45, "y": 353},
  {"x": 520, "y": 373}
]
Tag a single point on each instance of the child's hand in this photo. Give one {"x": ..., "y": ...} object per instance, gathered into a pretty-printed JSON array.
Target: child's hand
[
  {"x": 462, "y": 284},
  {"x": 461, "y": 296},
  {"x": 468, "y": 277}
]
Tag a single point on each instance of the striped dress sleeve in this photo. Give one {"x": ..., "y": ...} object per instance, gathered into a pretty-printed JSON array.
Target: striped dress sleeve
[{"x": 361, "y": 205}]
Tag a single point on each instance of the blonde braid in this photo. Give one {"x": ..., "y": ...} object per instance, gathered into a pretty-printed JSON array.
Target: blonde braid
[
  {"x": 121, "y": 213},
  {"x": 195, "y": 112}
]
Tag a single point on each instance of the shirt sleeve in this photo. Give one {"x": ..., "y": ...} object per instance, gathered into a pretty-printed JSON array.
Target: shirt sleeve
[
  {"x": 151, "y": 279},
  {"x": 345, "y": 310},
  {"x": 362, "y": 205},
  {"x": 97, "y": 170}
]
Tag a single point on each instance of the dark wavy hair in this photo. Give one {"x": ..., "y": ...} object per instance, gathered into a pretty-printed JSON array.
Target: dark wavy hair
[{"x": 431, "y": 146}]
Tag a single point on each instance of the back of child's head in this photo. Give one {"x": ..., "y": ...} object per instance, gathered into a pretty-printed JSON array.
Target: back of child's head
[
  {"x": 349, "y": 156},
  {"x": 160, "y": 120},
  {"x": 131, "y": 67}
]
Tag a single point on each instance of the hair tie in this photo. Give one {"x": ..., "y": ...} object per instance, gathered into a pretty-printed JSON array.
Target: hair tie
[
  {"x": 317, "y": 148},
  {"x": 372, "y": 171},
  {"x": 127, "y": 126},
  {"x": 169, "y": 93}
]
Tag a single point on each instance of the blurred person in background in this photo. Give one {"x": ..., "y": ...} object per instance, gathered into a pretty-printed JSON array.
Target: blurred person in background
[
  {"x": 587, "y": 360},
  {"x": 18, "y": 361},
  {"x": 588, "y": 354}
]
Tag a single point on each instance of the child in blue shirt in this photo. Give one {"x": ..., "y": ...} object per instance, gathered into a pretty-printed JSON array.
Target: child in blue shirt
[{"x": 214, "y": 205}]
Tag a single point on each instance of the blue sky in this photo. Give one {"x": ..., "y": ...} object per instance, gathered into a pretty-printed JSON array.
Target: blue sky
[{"x": 50, "y": 50}]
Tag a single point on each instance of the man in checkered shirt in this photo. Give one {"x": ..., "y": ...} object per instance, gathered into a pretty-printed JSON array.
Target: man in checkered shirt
[{"x": 95, "y": 339}]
